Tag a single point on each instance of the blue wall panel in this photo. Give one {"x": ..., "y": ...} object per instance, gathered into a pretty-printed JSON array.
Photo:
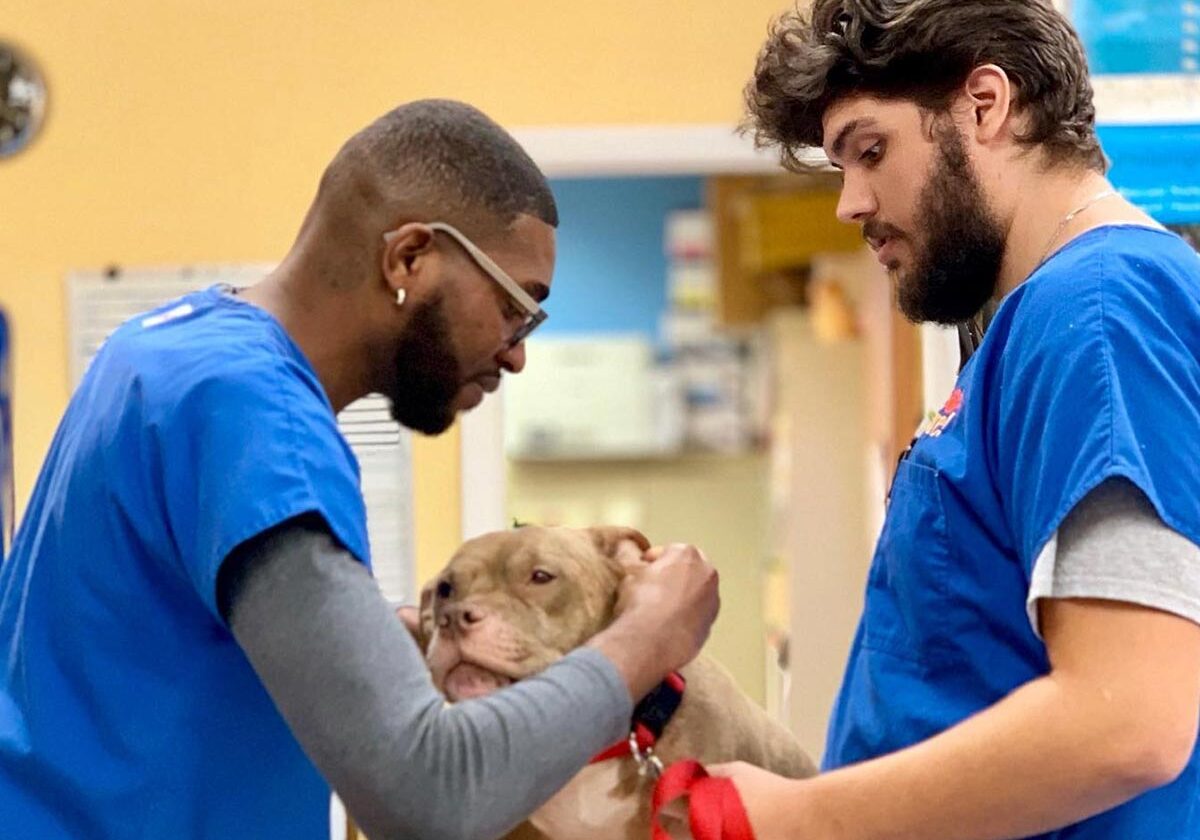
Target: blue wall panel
[
  {"x": 611, "y": 271},
  {"x": 1158, "y": 168}
]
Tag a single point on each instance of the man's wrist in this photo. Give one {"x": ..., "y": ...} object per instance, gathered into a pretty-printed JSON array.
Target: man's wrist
[
  {"x": 635, "y": 660},
  {"x": 798, "y": 813}
]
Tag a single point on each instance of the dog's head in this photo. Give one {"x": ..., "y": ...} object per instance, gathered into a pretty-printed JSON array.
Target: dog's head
[{"x": 510, "y": 603}]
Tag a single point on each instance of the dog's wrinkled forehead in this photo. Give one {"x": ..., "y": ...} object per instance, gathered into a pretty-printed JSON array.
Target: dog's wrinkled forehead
[
  {"x": 548, "y": 589},
  {"x": 508, "y": 556}
]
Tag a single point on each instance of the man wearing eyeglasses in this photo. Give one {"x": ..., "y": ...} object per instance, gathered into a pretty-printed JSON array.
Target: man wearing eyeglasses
[{"x": 192, "y": 643}]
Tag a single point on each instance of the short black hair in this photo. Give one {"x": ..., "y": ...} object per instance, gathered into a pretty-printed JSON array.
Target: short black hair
[{"x": 433, "y": 160}]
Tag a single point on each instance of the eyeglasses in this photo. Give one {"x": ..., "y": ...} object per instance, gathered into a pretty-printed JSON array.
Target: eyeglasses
[{"x": 533, "y": 314}]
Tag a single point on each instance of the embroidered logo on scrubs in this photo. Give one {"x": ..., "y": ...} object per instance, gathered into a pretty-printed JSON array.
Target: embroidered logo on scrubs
[{"x": 937, "y": 422}]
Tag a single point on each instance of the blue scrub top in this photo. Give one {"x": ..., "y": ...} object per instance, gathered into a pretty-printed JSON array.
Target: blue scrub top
[
  {"x": 127, "y": 709},
  {"x": 1089, "y": 370}
]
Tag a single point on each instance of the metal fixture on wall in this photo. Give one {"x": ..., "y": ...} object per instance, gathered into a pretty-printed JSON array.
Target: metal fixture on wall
[{"x": 22, "y": 99}]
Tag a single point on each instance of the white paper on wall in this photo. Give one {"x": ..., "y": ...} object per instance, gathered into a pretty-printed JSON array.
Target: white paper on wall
[{"x": 98, "y": 302}]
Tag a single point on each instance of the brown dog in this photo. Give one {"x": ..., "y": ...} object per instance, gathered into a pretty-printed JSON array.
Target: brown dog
[{"x": 511, "y": 603}]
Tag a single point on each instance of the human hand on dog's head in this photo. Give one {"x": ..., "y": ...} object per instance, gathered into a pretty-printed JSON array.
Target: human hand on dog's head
[{"x": 666, "y": 608}]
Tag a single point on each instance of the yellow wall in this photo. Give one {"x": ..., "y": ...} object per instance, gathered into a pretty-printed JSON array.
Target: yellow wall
[
  {"x": 437, "y": 466},
  {"x": 194, "y": 130}
]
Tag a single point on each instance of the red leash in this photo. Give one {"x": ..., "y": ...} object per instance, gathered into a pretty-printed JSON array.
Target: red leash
[{"x": 715, "y": 811}]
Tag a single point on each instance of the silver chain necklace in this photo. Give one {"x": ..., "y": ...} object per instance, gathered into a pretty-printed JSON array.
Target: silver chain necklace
[
  {"x": 974, "y": 327},
  {"x": 1067, "y": 220}
]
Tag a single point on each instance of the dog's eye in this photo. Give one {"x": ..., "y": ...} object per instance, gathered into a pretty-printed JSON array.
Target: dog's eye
[
  {"x": 541, "y": 576},
  {"x": 445, "y": 589}
]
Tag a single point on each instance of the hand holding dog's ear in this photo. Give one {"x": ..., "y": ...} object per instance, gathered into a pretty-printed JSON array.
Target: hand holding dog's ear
[{"x": 664, "y": 612}]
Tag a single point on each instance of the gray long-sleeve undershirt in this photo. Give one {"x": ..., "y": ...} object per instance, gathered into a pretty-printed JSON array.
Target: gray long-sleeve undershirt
[
  {"x": 353, "y": 686},
  {"x": 1113, "y": 546}
]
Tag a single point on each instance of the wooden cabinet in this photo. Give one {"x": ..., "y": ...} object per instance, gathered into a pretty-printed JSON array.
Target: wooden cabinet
[{"x": 769, "y": 229}]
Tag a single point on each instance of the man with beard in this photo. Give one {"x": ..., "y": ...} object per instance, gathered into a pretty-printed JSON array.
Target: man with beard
[
  {"x": 1028, "y": 660},
  {"x": 193, "y": 645}
]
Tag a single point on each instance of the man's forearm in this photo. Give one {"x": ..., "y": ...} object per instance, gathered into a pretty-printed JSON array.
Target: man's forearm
[
  {"x": 354, "y": 689},
  {"x": 639, "y": 664},
  {"x": 1048, "y": 755}
]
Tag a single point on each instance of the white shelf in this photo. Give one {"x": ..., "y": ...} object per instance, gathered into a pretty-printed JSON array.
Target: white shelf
[
  {"x": 1147, "y": 99},
  {"x": 617, "y": 150}
]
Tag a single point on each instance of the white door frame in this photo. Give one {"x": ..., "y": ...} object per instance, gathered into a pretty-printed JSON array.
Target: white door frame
[{"x": 483, "y": 470}]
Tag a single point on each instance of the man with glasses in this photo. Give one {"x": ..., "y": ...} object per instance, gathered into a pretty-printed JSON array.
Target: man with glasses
[{"x": 193, "y": 645}]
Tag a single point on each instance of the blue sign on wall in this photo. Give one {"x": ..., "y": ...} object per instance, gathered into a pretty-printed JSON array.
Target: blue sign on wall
[
  {"x": 1140, "y": 36},
  {"x": 1157, "y": 167}
]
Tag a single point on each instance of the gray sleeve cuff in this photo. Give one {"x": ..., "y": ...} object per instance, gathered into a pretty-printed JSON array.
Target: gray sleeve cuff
[{"x": 1113, "y": 546}]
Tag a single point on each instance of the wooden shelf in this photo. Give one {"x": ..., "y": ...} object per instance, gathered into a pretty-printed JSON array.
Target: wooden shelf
[{"x": 768, "y": 230}]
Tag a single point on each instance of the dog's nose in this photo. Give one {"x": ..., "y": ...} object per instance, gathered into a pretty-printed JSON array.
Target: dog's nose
[
  {"x": 462, "y": 616},
  {"x": 471, "y": 615}
]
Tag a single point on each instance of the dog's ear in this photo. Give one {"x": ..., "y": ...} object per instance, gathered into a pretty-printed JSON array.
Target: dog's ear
[
  {"x": 425, "y": 624},
  {"x": 625, "y": 545},
  {"x": 419, "y": 620}
]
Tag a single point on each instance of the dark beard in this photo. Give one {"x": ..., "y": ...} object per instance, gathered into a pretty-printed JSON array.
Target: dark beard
[
  {"x": 959, "y": 266},
  {"x": 427, "y": 373}
]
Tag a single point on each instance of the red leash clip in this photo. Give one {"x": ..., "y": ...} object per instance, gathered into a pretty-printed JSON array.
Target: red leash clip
[{"x": 715, "y": 810}]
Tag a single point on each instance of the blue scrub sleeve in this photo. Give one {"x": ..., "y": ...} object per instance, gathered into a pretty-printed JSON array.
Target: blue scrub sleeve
[
  {"x": 246, "y": 448},
  {"x": 1101, "y": 382}
]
